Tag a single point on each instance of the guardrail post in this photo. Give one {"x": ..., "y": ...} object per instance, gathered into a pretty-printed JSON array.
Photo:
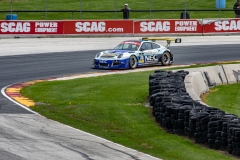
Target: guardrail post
[
  {"x": 80, "y": 9},
  {"x": 46, "y": 9}
]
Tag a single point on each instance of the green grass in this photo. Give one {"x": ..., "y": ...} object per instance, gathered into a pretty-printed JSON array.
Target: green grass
[
  {"x": 225, "y": 97},
  {"x": 112, "y": 5},
  {"x": 112, "y": 107}
]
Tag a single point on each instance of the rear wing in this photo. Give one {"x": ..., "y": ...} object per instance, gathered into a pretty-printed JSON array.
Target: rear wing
[{"x": 169, "y": 40}]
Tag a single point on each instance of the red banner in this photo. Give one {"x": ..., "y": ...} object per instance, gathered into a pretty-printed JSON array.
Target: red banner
[
  {"x": 167, "y": 26},
  {"x": 216, "y": 26},
  {"x": 99, "y": 27},
  {"x": 31, "y": 27},
  {"x": 121, "y": 27}
]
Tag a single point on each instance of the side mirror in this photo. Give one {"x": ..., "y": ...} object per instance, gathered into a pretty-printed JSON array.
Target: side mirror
[{"x": 142, "y": 49}]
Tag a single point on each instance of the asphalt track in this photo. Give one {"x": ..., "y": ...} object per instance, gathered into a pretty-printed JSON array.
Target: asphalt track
[{"x": 24, "y": 135}]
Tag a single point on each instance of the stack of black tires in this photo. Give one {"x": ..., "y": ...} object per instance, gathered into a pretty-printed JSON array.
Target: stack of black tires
[{"x": 176, "y": 111}]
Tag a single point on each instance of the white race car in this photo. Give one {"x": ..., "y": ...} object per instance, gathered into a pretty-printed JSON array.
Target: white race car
[{"x": 135, "y": 53}]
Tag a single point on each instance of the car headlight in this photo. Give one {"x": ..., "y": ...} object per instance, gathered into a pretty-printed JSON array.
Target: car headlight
[
  {"x": 98, "y": 55},
  {"x": 120, "y": 55}
]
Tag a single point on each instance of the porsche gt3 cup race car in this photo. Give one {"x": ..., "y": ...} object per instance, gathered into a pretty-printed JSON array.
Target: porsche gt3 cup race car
[{"x": 136, "y": 53}]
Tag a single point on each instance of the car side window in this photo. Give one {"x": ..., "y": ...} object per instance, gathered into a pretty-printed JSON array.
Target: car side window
[
  {"x": 155, "y": 46},
  {"x": 146, "y": 46},
  {"x": 126, "y": 46}
]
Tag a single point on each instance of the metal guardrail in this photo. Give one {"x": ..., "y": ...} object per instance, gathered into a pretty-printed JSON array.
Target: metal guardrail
[
  {"x": 172, "y": 10},
  {"x": 113, "y": 11}
]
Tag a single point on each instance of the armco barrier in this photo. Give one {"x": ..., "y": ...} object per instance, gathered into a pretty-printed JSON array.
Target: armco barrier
[
  {"x": 181, "y": 111},
  {"x": 121, "y": 27}
]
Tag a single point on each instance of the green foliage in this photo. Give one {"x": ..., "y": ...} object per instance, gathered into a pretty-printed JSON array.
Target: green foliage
[
  {"x": 113, "y": 107},
  {"x": 113, "y": 5}
]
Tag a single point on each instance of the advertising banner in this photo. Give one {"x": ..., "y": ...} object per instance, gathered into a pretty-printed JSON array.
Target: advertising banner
[
  {"x": 121, "y": 27},
  {"x": 221, "y": 26},
  {"x": 99, "y": 27},
  {"x": 31, "y": 27},
  {"x": 167, "y": 26}
]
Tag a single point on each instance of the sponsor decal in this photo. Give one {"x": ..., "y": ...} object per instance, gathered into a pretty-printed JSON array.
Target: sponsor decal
[
  {"x": 98, "y": 27},
  {"x": 46, "y": 27},
  {"x": 151, "y": 58},
  {"x": 167, "y": 26},
  {"x": 15, "y": 27},
  {"x": 31, "y": 27},
  {"x": 186, "y": 26},
  {"x": 102, "y": 61},
  {"x": 227, "y": 25},
  {"x": 90, "y": 27},
  {"x": 231, "y": 25},
  {"x": 155, "y": 26},
  {"x": 95, "y": 27},
  {"x": 141, "y": 57},
  {"x": 127, "y": 42}
]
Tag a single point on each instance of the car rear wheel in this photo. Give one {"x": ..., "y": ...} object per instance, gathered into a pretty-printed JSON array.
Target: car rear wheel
[
  {"x": 166, "y": 58},
  {"x": 132, "y": 62}
]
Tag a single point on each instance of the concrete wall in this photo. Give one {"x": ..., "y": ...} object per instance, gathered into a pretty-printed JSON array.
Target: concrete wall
[{"x": 199, "y": 80}]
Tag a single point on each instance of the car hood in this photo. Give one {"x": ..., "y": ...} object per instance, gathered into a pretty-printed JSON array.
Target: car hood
[{"x": 113, "y": 53}]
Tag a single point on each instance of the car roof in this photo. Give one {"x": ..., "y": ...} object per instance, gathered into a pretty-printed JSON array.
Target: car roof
[
  {"x": 133, "y": 41},
  {"x": 139, "y": 41}
]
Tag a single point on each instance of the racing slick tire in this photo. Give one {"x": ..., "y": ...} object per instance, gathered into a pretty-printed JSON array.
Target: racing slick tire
[
  {"x": 132, "y": 62},
  {"x": 165, "y": 59}
]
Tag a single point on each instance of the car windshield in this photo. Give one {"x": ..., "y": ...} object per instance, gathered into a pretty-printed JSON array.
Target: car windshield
[{"x": 133, "y": 46}]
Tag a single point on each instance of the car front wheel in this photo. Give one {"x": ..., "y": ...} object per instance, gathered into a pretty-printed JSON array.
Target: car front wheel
[{"x": 132, "y": 62}]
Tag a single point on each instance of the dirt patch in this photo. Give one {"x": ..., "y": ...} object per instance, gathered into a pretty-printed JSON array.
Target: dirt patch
[{"x": 204, "y": 96}]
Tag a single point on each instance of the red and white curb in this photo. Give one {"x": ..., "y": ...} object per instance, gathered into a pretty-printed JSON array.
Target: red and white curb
[{"x": 12, "y": 92}]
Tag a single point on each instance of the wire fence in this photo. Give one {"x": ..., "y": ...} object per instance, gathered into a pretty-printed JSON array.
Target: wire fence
[{"x": 110, "y": 9}]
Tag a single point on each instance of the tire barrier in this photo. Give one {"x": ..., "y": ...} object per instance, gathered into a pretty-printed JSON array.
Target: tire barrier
[{"x": 178, "y": 113}]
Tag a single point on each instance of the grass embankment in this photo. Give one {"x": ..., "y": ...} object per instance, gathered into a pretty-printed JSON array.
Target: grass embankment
[
  {"x": 112, "y": 107},
  {"x": 225, "y": 97},
  {"x": 112, "y": 5}
]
